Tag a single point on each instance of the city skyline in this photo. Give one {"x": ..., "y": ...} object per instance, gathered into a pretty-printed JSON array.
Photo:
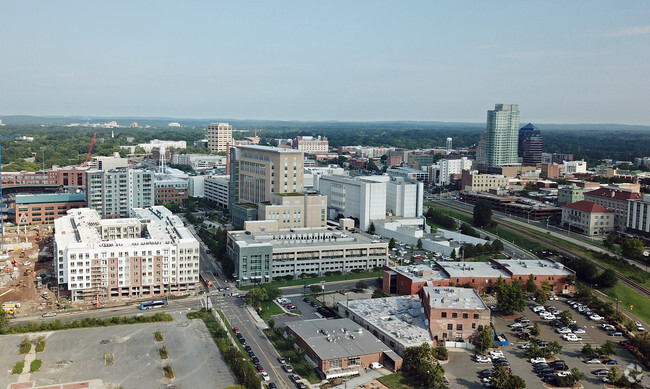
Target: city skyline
[{"x": 361, "y": 61}]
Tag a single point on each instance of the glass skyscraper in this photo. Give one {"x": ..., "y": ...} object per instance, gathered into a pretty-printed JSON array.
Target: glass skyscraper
[{"x": 502, "y": 138}]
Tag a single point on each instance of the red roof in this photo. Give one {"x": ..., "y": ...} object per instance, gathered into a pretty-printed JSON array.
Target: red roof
[
  {"x": 587, "y": 206},
  {"x": 614, "y": 194}
]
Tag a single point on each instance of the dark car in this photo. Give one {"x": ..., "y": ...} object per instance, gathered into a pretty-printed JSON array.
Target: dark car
[
  {"x": 558, "y": 362},
  {"x": 251, "y": 354},
  {"x": 610, "y": 362},
  {"x": 560, "y": 367},
  {"x": 486, "y": 373},
  {"x": 626, "y": 345},
  {"x": 273, "y": 386},
  {"x": 541, "y": 343},
  {"x": 306, "y": 299},
  {"x": 239, "y": 335},
  {"x": 555, "y": 323},
  {"x": 541, "y": 366},
  {"x": 300, "y": 385},
  {"x": 242, "y": 340},
  {"x": 545, "y": 371},
  {"x": 256, "y": 360},
  {"x": 215, "y": 274},
  {"x": 259, "y": 367},
  {"x": 247, "y": 348},
  {"x": 314, "y": 304},
  {"x": 207, "y": 251}
]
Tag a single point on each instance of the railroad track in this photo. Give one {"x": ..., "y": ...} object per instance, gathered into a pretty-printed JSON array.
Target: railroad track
[{"x": 556, "y": 247}]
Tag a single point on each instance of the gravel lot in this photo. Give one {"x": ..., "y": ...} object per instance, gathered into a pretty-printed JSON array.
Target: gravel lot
[{"x": 77, "y": 355}]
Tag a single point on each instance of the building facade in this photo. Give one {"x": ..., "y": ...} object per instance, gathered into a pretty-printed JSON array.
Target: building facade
[
  {"x": 170, "y": 189},
  {"x": 472, "y": 181},
  {"x": 638, "y": 216},
  {"x": 219, "y": 137},
  {"x": 502, "y": 136},
  {"x": 531, "y": 143},
  {"x": 588, "y": 218},
  {"x": 113, "y": 193},
  {"x": 570, "y": 194},
  {"x": 44, "y": 208},
  {"x": 295, "y": 210},
  {"x": 614, "y": 200},
  {"x": 404, "y": 198},
  {"x": 444, "y": 169},
  {"x": 274, "y": 253},
  {"x": 354, "y": 198},
  {"x": 217, "y": 190},
  {"x": 99, "y": 259},
  {"x": 311, "y": 145}
]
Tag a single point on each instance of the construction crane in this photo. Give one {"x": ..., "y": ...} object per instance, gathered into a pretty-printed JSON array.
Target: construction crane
[{"x": 92, "y": 142}]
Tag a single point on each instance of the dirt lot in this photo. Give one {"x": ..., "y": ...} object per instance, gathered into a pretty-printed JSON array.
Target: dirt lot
[{"x": 16, "y": 286}]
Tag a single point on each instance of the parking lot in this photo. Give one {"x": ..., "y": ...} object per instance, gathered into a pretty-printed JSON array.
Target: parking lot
[{"x": 124, "y": 356}]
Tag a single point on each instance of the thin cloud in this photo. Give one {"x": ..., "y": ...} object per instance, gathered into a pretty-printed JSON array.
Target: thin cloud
[{"x": 632, "y": 31}]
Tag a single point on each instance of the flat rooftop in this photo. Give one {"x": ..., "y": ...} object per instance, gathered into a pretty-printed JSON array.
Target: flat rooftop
[
  {"x": 420, "y": 273},
  {"x": 454, "y": 298},
  {"x": 473, "y": 269},
  {"x": 339, "y": 338},
  {"x": 50, "y": 198},
  {"x": 270, "y": 149},
  {"x": 400, "y": 318},
  {"x": 534, "y": 266},
  {"x": 304, "y": 237}
]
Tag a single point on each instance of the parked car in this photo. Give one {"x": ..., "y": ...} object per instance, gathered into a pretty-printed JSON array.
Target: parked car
[
  {"x": 593, "y": 361},
  {"x": 251, "y": 354},
  {"x": 247, "y": 348},
  {"x": 537, "y": 360},
  {"x": 486, "y": 373},
  {"x": 376, "y": 365},
  {"x": 610, "y": 362},
  {"x": 524, "y": 346},
  {"x": 287, "y": 368},
  {"x": 256, "y": 361},
  {"x": 49, "y": 314},
  {"x": 608, "y": 327},
  {"x": 306, "y": 299},
  {"x": 523, "y": 320},
  {"x": 265, "y": 376},
  {"x": 483, "y": 358},
  {"x": 600, "y": 372},
  {"x": 563, "y": 330},
  {"x": 294, "y": 377},
  {"x": 596, "y": 317},
  {"x": 281, "y": 360},
  {"x": 627, "y": 345},
  {"x": 571, "y": 338},
  {"x": 272, "y": 386},
  {"x": 615, "y": 333},
  {"x": 495, "y": 353},
  {"x": 259, "y": 367},
  {"x": 514, "y": 325},
  {"x": 639, "y": 327},
  {"x": 236, "y": 329},
  {"x": 579, "y": 330}
]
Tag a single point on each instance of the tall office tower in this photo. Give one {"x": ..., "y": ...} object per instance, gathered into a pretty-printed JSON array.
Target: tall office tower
[
  {"x": 480, "y": 149},
  {"x": 530, "y": 144},
  {"x": 256, "y": 172},
  {"x": 502, "y": 135},
  {"x": 114, "y": 193},
  {"x": 449, "y": 147},
  {"x": 219, "y": 136}
]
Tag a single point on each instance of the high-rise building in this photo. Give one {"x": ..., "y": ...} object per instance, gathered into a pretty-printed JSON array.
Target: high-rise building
[
  {"x": 502, "y": 135},
  {"x": 219, "y": 136},
  {"x": 114, "y": 193},
  {"x": 530, "y": 144}
]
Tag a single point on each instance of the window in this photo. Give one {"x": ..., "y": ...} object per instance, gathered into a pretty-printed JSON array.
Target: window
[
  {"x": 454, "y": 315},
  {"x": 450, "y": 326},
  {"x": 465, "y": 315},
  {"x": 443, "y": 314},
  {"x": 476, "y": 316},
  {"x": 473, "y": 325},
  {"x": 459, "y": 327}
]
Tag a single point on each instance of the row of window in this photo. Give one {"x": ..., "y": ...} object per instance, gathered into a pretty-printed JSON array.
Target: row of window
[{"x": 454, "y": 315}]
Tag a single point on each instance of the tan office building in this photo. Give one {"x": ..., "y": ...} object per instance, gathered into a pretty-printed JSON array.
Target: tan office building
[{"x": 219, "y": 136}]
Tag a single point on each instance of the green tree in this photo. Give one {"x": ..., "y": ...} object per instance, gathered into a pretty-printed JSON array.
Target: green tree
[
  {"x": 614, "y": 375},
  {"x": 570, "y": 279},
  {"x": 4, "y": 321},
  {"x": 609, "y": 242},
  {"x": 315, "y": 289},
  {"x": 482, "y": 213},
  {"x": 512, "y": 298},
  {"x": 633, "y": 248},
  {"x": 392, "y": 243},
  {"x": 588, "y": 351},
  {"x": 419, "y": 245},
  {"x": 531, "y": 286},
  {"x": 371, "y": 229},
  {"x": 607, "y": 278},
  {"x": 553, "y": 348},
  {"x": 565, "y": 317},
  {"x": 501, "y": 379},
  {"x": 453, "y": 255},
  {"x": 534, "y": 351},
  {"x": 536, "y": 330},
  {"x": 606, "y": 349},
  {"x": 484, "y": 339},
  {"x": 421, "y": 364},
  {"x": 497, "y": 245},
  {"x": 361, "y": 285}
]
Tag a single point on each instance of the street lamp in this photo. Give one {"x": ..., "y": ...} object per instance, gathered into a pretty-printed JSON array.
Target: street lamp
[{"x": 43, "y": 148}]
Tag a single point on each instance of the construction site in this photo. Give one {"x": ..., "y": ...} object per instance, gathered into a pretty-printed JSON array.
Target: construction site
[{"x": 27, "y": 285}]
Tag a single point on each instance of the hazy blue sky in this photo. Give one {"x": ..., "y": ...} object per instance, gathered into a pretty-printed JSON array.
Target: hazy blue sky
[{"x": 561, "y": 61}]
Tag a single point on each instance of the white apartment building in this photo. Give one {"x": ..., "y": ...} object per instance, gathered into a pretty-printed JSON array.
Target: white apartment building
[
  {"x": 588, "y": 218},
  {"x": 408, "y": 173},
  {"x": 638, "y": 215},
  {"x": 216, "y": 189},
  {"x": 108, "y": 163},
  {"x": 571, "y": 167},
  {"x": 167, "y": 144},
  {"x": 199, "y": 161},
  {"x": 443, "y": 169},
  {"x": 196, "y": 186},
  {"x": 219, "y": 136},
  {"x": 151, "y": 254},
  {"x": 354, "y": 198},
  {"x": 404, "y": 198},
  {"x": 114, "y": 193},
  {"x": 313, "y": 174},
  {"x": 311, "y": 145}
]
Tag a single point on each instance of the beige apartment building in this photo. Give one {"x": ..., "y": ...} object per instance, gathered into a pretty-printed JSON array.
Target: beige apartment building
[
  {"x": 472, "y": 181},
  {"x": 614, "y": 200},
  {"x": 219, "y": 136},
  {"x": 588, "y": 218},
  {"x": 295, "y": 210}
]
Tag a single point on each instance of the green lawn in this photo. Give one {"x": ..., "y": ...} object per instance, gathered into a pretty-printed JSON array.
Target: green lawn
[
  {"x": 269, "y": 308},
  {"x": 396, "y": 381},
  {"x": 316, "y": 280},
  {"x": 627, "y": 297}
]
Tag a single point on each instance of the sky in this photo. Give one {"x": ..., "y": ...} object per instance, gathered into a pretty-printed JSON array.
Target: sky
[{"x": 561, "y": 61}]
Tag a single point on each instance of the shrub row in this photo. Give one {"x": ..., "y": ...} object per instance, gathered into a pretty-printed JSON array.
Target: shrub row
[{"x": 86, "y": 323}]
